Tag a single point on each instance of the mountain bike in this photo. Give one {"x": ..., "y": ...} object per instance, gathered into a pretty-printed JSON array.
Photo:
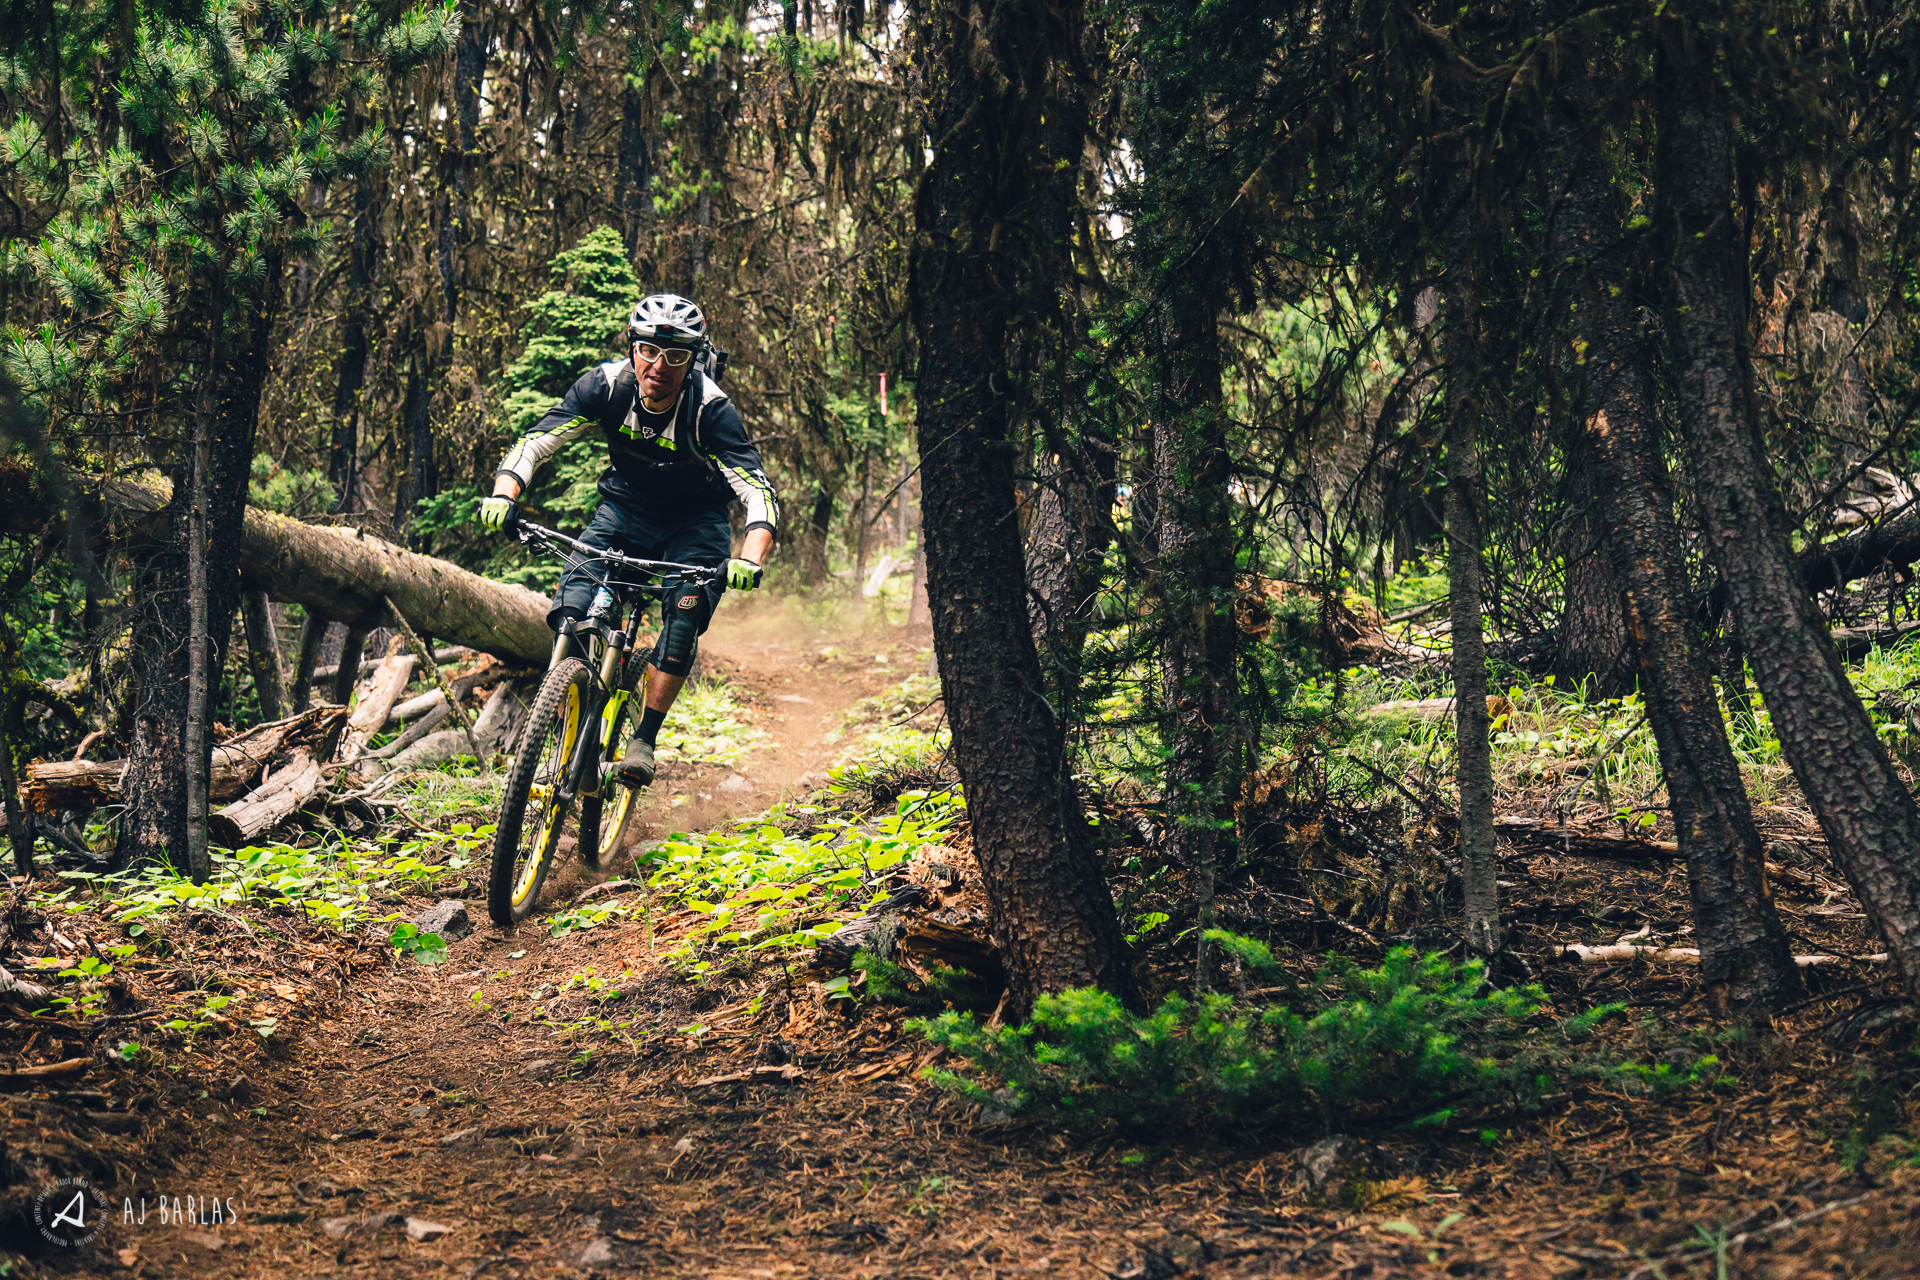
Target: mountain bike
[{"x": 570, "y": 747}]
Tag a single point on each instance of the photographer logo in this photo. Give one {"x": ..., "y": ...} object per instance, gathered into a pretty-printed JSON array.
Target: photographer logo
[{"x": 70, "y": 1212}]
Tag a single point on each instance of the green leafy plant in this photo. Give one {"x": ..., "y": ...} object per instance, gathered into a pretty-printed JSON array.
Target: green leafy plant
[
  {"x": 407, "y": 940},
  {"x": 576, "y": 919},
  {"x": 193, "y": 1024},
  {"x": 1410, "y": 1042}
]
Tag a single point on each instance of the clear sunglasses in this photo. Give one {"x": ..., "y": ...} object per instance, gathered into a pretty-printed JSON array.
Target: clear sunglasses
[{"x": 675, "y": 357}]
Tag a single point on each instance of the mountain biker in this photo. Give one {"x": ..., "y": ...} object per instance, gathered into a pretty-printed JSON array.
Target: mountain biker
[{"x": 679, "y": 458}]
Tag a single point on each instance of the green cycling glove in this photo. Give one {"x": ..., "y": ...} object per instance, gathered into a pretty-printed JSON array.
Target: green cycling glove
[
  {"x": 743, "y": 575},
  {"x": 497, "y": 513}
]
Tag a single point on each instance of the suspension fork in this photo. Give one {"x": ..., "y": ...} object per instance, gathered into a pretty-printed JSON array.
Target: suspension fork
[{"x": 585, "y": 768}]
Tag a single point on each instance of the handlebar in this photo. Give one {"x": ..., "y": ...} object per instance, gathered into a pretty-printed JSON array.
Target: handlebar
[{"x": 528, "y": 532}]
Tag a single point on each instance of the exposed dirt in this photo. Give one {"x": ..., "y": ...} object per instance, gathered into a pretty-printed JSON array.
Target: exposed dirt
[{"x": 406, "y": 1096}]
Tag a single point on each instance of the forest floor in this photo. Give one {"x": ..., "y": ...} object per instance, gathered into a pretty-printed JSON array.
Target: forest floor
[{"x": 405, "y": 1120}]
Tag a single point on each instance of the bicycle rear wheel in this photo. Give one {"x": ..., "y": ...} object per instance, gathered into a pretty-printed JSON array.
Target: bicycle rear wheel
[
  {"x": 605, "y": 817},
  {"x": 531, "y": 812}
]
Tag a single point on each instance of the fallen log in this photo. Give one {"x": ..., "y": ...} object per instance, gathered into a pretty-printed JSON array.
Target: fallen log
[
  {"x": 1855, "y": 643},
  {"x": 1617, "y": 951},
  {"x": 420, "y": 728},
  {"x": 333, "y": 572},
  {"x": 284, "y": 792},
  {"x": 370, "y": 715},
  {"x": 1863, "y": 553},
  {"x": 496, "y": 729},
  {"x": 936, "y": 942},
  {"x": 490, "y": 672},
  {"x": 424, "y": 654},
  {"x": 55, "y": 785},
  {"x": 456, "y": 654}
]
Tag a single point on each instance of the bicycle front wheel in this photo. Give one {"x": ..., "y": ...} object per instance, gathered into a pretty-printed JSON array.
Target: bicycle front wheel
[{"x": 532, "y": 813}]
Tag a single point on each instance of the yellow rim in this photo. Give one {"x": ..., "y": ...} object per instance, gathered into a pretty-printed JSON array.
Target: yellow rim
[
  {"x": 611, "y": 826},
  {"x": 544, "y": 791}
]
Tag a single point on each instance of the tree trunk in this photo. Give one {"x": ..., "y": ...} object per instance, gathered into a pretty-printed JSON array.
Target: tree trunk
[
  {"x": 263, "y": 654},
  {"x": 313, "y": 635},
  {"x": 633, "y": 178},
  {"x": 199, "y": 644},
  {"x": 1593, "y": 652},
  {"x": 1192, "y": 465},
  {"x": 1066, "y": 545},
  {"x": 1049, "y": 910},
  {"x": 343, "y": 455},
  {"x": 416, "y": 416},
  {"x": 1745, "y": 953},
  {"x": 158, "y": 809},
  {"x": 1475, "y": 766},
  {"x": 19, "y": 835},
  {"x": 814, "y": 535},
  {"x": 1869, "y": 816},
  {"x": 433, "y": 342},
  {"x": 347, "y": 674}
]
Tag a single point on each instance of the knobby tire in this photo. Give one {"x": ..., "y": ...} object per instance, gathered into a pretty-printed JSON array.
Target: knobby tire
[
  {"x": 603, "y": 827},
  {"x": 522, "y": 857}
]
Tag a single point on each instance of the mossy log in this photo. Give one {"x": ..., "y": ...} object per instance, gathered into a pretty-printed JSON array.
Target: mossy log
[
  {"x": 337, "y": 573},
  {"x": 55, "y": 785}
]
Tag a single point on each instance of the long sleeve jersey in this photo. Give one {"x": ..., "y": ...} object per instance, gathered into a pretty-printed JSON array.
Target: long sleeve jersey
[{"x": 696, "y": 457}]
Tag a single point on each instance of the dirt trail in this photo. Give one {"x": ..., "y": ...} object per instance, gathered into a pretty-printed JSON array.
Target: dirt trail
[{"x": 426, "y": 1124}]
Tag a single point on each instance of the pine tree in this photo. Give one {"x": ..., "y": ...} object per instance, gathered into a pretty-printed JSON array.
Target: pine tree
[{"x": 170, "y": 218}]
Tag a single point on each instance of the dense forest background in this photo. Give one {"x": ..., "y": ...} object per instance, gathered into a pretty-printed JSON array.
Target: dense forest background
[
  {"x": 1600, "y": 314},
  {"x": 1345, "y": 568}
]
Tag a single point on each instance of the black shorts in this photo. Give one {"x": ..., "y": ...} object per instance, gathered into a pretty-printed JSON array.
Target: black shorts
[{"x": 703, "y": 539}]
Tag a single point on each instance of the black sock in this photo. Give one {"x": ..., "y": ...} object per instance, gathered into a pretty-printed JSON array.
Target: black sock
[{"x": 650, "y": 720}]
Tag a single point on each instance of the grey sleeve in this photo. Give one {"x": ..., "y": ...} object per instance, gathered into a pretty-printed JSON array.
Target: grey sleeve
[
  {"x": 724, "y": 439},
  {"x": 575, "y": 416}
]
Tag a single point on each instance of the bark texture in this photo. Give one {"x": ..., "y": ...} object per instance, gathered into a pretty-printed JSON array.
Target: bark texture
[
  {"x": 1192, "y": 465},
  {"x": 1744, "y": 952},
  {"x": 155, "y": 823},
  {"x": 1067, "y": 539},
  {"x": 263, "y": 655},
  {"x": 337, "y": 574},
  {"x": 986, "y": 92},
  {"x": 1869, "y": 817},
  {"x": 1475, "y": 767}
]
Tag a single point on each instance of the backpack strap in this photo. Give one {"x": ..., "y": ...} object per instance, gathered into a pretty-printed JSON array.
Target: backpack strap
[{"x": 701, "y": 392}]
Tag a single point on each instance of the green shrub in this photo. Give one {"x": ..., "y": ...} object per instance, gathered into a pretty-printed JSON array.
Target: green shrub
[
  {"x": 1409, "y": 1042},
  {"x": 889, "y": 983}
]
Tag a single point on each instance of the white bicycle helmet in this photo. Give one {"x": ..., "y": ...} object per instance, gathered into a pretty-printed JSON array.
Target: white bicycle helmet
[{"x": 668, "y": 320}]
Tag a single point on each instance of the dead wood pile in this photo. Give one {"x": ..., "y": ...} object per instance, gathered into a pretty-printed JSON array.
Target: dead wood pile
[
  {"x": 1352, "y": 631},
  {"x": 342, "y": 575},
  {"x": 271, "y": 772}
]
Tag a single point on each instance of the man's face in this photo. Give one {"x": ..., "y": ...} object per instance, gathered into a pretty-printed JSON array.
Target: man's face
[{"x": 659, "y": 381}]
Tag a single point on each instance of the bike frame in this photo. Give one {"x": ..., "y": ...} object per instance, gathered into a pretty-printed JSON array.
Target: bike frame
[{"x": 602, "y": 643}]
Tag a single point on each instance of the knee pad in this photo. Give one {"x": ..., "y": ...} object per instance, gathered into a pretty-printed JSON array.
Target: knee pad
[{"x": 686, "y": 613}]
